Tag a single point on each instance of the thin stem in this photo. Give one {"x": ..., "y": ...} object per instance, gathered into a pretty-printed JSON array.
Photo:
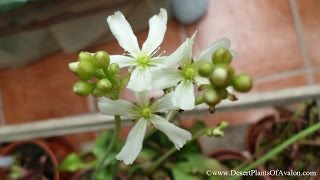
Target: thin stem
[
  {"x": 114, "y": 140},
  {"x": 280, "y": 148}
]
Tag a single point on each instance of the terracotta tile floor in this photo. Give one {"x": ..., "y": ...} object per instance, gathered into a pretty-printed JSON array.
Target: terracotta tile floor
[
  {"x": 261, "y": 32},
  {"x": 264, "y": 34},
  {"x": 310, "y": 20},
  {"x": 40, "y": 90}
]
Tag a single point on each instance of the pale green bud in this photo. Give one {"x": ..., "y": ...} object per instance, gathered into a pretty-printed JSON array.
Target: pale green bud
[
  {"x": 82, "y": 88},
  {"x": 222, "y": 56},
  {"x": 104, "y": 84},
  {"x": 101, "y": 59},
  {"x": 242, "y": 83}
]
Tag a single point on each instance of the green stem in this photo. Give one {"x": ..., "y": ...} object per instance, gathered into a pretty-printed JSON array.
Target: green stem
[
  {"x": 280, "y": 148},
  {"x": 114, "y": 140}
]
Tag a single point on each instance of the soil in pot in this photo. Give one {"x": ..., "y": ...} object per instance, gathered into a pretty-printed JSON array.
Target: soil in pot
[{"x": 36, "y": 161}]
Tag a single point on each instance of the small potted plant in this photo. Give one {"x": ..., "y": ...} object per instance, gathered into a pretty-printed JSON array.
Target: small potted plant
[{"x": 32, "y": 160}]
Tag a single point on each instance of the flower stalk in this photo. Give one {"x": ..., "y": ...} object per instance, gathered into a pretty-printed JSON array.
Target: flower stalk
[
  {"x": 115, "y": 137},
  {"x": 279, "y": 148}
]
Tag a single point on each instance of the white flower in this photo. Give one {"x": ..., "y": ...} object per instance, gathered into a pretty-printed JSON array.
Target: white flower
[
  {"x": 187, "y": 74},
  {"x": 143, "y": 60},
  {"x": 144, "y": 112}
]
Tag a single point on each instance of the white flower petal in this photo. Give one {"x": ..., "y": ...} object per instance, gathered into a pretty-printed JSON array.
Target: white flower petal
[
  {"x": 123, "y": 61},
  {"x": 165, "y": 78},
  {"x": 157, "y": 29},
  {"x": 177, "y": 135},
  {"x": 133, "y": 146},
  {"x": 116, "y": 107},
  {"x": 158, "y": 61},
  {"x": 207, "y": 54},
  {"x": 140, "y": 79},
  {"x": 164, "y": 104},
  {"x": 188, "y": 51},
  {"x": 122, "y": 31},
  {"x": 183, "y": 53},
  {"x": 184, "y": 95},
  {"x": 201, "y": 80},
  {"x": 142, "y": 98}
]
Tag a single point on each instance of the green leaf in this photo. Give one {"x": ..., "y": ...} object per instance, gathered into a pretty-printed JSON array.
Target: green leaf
[
  {"x": 178, "y": 174},
  {"x": 71, "y": 163}
]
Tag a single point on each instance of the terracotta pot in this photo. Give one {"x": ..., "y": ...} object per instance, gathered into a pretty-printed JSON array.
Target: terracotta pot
[
  {"x": 227, "y": 154},
  {"x": 264, "y": 126},
  {"x": 12, "y": 147}
]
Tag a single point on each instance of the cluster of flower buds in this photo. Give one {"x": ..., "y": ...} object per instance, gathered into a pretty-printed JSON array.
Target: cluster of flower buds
[
  {"x": 218, "y": 130},
  {"x": 96, "y": 75},
  {"x": 221, "y": 76}
]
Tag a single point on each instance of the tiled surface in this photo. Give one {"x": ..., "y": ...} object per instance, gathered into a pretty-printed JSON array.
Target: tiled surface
[
  {"x": 316, "y": 74},
  {"x": 310, "y": 20},
  {"x": 262, "y": 33},
  {"x": 40, "y": 90},
  {"x": 282, "y": 83}
]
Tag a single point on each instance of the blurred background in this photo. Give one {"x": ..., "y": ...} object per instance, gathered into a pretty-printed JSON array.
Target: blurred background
[{"x": 276, "y": 42}]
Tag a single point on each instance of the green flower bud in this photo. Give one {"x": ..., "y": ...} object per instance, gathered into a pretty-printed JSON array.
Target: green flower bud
[
  {"x": 222, "y": 56},
  {"x": 205, "y": 69},
  {"x": 96, "y": 92},
  {"x": 73, "y": 66},
  {"x": 86, "y": 70},
  {"x": 199, "y": 100},
  {"x": 124, "y": 81},
  {"x": 211, "y": 97},
  {"x": 85, "y": 56},
  {"x": 82, "y": 88},
  {"x": 216, "y": 132},
  {"x": 114, "y": 69},
  {"x": 101, "y": 59},
  {"x": 221, "y": 76},
  {"x": 104, "y": 84},
  {"x": 242, "y": 83}
]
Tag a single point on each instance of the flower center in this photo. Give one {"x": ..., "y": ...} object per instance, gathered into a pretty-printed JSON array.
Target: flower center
[
  {"x": 188, "y": 73},
  {"x": 146, "y": 112},
  {"x": 143, "y": 60}
]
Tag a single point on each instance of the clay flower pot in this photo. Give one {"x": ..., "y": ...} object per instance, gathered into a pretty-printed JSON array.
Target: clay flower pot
[{"x": 36, "y": 146}]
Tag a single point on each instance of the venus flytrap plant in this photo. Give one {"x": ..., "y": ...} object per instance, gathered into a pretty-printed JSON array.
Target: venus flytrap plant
[{"x": 177, "y": 75}]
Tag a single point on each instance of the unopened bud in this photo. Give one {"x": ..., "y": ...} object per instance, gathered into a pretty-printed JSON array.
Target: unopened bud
[
  {"x": 211, "y": 97},
  {"x": 96, "y": 92},
  {"x": 124, "y": 81},
  {"x": 82, "y": 88},
  {"x": 114, "y": 69},
  {"x": 242, "y": 83},
  {"x": 101, "y": 59},
  {"x": 205, "y": 69},
  {"x": 222, "y": 56},
  {"x": 85, "y": 56},
  {"x": 104, "y": 84},
  {"x": 221, "y": 76},
  {"x": 86, "y": 70},
  {"x": 217, "y": 132},
  {"x": 73, "y": 66}
]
